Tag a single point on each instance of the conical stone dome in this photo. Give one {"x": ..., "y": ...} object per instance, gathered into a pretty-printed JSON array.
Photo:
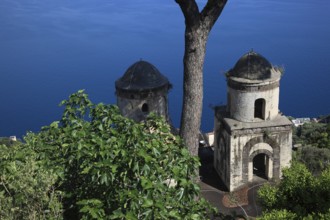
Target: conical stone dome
[
  {"x": 141, "y": 76},
  {"x": 252, "y": 66}
]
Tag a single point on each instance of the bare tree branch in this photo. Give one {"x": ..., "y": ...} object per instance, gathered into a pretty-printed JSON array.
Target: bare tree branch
[
  {"x": 208, "y": 16},
  {"x": 190, "y": 11},
  {"x": 212, "y": 11}
]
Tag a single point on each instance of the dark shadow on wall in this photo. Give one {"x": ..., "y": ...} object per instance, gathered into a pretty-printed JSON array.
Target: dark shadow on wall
[{"x": 207, "y": 172}]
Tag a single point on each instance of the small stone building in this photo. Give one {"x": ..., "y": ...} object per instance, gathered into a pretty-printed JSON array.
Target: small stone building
[
  {"x": 141, "y": 90},
  {"x": 252, "y": 138}
]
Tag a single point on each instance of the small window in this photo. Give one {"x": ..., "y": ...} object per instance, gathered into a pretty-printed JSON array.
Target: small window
[
  {"x": 145, "y": 108},
  {"x": 259, "y": 109}
]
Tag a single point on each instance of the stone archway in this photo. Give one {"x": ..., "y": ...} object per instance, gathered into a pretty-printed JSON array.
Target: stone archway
[
  {"x": 251, "y": 150},
  {"x": 261, "y": 164}
]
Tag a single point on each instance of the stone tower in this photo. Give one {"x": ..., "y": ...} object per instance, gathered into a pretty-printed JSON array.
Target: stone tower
[
  {"x": 141, "y": 90},
  {"x": 252, "y": 138}
]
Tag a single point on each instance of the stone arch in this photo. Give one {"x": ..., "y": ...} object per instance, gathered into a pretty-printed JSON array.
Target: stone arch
[
  {"x": 261, "y": 151},
  {"x": 269, "y": 174},
  {"x": 261, "y": 146},
  {"x": 275, "y": 156}
]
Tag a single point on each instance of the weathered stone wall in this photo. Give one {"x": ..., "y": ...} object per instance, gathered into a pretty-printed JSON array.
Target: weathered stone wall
[
  {"x": 235, "y": 150},
  {"x": 242, "y": 104},
  {"x": 250, "y": 126},
  {"x": 285, "y": 141},
  {"x": 222, "y": 154},
  {"x": 132, "y": 107}
]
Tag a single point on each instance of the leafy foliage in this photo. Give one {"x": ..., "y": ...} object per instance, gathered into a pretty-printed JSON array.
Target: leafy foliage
[
  {"x": 313, "y": 134},
  {"x": 314, "y": 150},
  {"x": 282, "y": 214},
  {"x": 298, "y": 194},
  {"x": 8, "y": 142},
  {"x": 27, "y": 189},
  {"x": 110, "y": 167},
  {"x": 315, "y": 159}
]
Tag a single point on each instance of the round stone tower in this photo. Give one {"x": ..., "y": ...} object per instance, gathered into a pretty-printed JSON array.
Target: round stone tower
[
  {"x": 141, "y": 90},
  {"x": 252, "y": 140},
  {"x": 253, "y": 89}
]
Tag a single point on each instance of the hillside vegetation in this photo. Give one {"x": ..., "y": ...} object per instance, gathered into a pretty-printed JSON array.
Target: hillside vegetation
[{"x": 304, "y": 191}]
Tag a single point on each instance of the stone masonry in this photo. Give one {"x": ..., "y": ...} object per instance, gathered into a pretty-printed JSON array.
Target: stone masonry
[{"x": 251, "y": 136}]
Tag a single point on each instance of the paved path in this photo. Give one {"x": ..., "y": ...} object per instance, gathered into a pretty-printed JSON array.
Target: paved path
[{"x": 243, "y": 201}]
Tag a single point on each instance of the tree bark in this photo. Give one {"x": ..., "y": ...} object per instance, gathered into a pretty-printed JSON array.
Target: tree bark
[{"x": 198, "y": 27}]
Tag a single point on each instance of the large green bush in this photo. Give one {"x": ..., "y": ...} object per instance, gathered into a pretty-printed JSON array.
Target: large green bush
[
  {"x": 27, "y": 188},
  {"x": 315, "y": 159},
  {"x": 110, "y": 167},
  {"x": 298, "y": 194},
  {"x": 313, "y": 134}
]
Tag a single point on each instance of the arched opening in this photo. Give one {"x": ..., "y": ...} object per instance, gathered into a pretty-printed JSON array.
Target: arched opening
[
  {"x": 261, "y": 165},
  {"x": 261, "y": 145},
  {"x": 259, "y": 108},
  {"x": 145, "y": 108}
]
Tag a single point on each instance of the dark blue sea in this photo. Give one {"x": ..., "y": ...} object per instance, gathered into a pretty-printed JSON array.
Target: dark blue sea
[{"x": 50, "y": 49}]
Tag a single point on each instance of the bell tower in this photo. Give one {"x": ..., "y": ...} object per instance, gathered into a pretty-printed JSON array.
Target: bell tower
[
  {"x": 141, "y": 90},
  {"x": 251, "y": 137}
]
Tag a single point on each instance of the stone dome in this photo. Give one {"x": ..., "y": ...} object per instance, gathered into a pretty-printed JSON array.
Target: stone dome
[
  {"x": 252, "y": 66},
  {"x": 142, "y": 76}
]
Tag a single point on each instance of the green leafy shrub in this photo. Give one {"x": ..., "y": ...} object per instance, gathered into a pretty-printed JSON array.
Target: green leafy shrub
[
  {"x": 8, "y": 142},
  {"x": 27, "y": 189},
  {"x": 110, "y": 167},
  {"x": 282, "y": 214},
  {"x": 313, "y": 134},
  {"x": 315, "y": 159},
  {"x": 299, "y": 192}
]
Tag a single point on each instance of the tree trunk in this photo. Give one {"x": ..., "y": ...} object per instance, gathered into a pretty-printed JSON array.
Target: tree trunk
[
  {"x": 195, "y": 48},
  {"x": 198, "y": 27}
]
